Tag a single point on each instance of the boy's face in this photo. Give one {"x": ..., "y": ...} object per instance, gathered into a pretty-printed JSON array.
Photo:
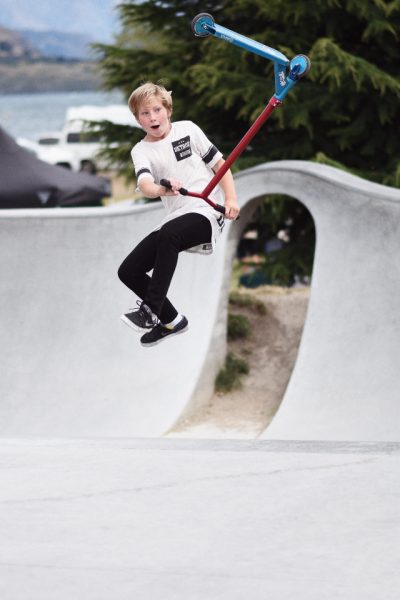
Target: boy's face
[{"x": 154, "y": 118}]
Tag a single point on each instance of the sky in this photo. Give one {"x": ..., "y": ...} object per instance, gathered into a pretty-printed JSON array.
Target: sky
[{"x": 95, "y": 18}]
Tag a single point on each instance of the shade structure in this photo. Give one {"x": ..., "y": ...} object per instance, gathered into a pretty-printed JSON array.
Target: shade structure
[{"x": 27, "y": 182}]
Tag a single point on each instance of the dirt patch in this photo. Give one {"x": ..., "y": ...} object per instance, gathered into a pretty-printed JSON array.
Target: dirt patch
[{"x": 271, "y": 352}]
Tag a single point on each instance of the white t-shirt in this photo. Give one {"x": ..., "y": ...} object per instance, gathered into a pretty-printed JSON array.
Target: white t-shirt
[{"x": 185, "y": 154}]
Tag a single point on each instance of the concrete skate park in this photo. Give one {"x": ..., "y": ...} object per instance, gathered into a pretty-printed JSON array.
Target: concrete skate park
[{"x": 101, "y": 502}]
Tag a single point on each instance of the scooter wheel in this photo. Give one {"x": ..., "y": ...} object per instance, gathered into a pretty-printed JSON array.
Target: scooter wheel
[
  {"x": 300, "y": 65},
  {"x": 199, "y": 22}
]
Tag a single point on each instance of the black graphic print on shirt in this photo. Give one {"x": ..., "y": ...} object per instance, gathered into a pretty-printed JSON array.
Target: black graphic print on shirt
[{"x": 182, "y": 148}]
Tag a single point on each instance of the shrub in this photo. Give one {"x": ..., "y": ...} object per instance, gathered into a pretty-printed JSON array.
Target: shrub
[
  {"x": 246, "y": 300},
  {"x": 229, "y": 377},
  {"x": 238, "y": 327}
]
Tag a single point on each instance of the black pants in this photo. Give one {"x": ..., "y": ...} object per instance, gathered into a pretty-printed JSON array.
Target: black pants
[{"x": 159, "y": 251}]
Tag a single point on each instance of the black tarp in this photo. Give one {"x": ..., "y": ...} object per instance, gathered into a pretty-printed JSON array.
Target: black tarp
[{"x": 27, "y": 182}]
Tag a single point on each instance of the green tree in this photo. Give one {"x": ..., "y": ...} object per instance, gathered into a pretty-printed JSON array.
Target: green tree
[{"x": 345, "y": 112}]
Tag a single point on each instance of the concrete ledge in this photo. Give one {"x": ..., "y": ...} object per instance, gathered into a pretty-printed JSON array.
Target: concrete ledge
[{"x": 201, "y": 445}]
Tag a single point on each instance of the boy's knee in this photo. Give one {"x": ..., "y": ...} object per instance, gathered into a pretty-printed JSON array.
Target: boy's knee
[
  {"x": 126, "y": 272},
  {"x": 129, "y": 272},
  {"x": 122, "y": 273}
]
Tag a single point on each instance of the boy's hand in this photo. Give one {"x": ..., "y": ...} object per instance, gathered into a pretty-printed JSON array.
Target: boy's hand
[
  {"x": 232, "y": 209},
  {"x": 175, "y": 187}
]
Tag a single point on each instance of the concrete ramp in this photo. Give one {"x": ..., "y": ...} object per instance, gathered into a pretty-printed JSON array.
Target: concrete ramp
[{"x": 69, "y": 367}]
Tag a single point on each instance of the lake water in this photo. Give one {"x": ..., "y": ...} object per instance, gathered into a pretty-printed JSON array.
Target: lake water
[{"x": 29, "y": 115}]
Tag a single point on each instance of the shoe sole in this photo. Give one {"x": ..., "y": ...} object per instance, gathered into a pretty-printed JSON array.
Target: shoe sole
[
  {"x": 165, "y": 337},
  {"x": 133, "y": 326}
]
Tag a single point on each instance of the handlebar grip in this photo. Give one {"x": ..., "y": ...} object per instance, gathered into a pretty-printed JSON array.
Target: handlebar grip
[
  {"x": 167, "y": 184},
  {"x": 221, "y": 209}
]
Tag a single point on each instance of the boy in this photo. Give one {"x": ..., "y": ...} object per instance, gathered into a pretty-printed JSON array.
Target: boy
[{"x": 181, "y": 153}]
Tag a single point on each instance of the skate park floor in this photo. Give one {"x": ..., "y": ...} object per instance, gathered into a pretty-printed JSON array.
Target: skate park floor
[{"x": 120, "y": 519}]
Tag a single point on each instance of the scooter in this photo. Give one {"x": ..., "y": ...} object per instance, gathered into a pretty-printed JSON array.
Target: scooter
[{"x": 287, "y": 73}]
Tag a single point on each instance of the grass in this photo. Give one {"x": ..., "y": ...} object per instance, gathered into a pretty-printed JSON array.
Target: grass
[
  {"x": 229, "y": 377},
  {"x": 246, "y": 300},
  {"x": 238, "y": 327}
]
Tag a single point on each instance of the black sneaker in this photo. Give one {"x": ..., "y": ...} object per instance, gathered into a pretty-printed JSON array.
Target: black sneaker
[
  {"x": 141, "y": 318},
  {"x": 159, "y": 333}
]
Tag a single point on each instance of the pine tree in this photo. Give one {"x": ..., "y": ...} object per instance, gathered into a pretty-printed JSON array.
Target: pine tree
[{"x": 344, "y": 112}]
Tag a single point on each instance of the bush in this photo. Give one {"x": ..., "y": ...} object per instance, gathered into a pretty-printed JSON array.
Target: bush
[
  {"x": 238, "y": 327},
  {"x": 229, "y": 377},
  {"x": 247, "y": 301},
  {"x": 284, "y": 245}
]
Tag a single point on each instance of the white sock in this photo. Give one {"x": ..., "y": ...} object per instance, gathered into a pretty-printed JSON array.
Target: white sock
[{"x": 173, "y": 323}]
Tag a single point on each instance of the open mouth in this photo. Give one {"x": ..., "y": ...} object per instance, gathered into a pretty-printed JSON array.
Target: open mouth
[{"x": 155, "y": 127}]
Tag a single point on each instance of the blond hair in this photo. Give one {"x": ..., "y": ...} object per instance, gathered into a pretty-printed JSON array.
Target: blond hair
[{"x": 145, "y": 92}]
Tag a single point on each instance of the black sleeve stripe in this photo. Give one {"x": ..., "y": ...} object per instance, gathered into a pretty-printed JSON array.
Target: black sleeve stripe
[
  {"x": 212, "y": 151},
  {"x": 141, "y": 171}
]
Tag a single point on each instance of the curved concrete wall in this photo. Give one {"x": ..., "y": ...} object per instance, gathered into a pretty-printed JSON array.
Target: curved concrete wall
[
  {"x": 70, "y": 368},
  {"x": 346, "y": 382}
]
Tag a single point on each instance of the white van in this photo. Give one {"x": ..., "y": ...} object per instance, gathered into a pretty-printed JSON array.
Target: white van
[
  {"x": 53, "y": 154},
  {"x": 85, "y": 145}
]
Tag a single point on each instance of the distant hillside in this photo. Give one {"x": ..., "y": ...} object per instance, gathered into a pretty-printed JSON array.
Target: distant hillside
[
  {"x": 24, "y": 77},
  {"x": 58, "y": 44},
  {"x": 31, "y": 44},
  {"x": 47, "y": 62},
  {"x": 14, "y": 46}
]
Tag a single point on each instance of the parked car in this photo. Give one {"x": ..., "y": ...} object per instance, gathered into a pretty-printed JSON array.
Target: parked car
[
  {"x": 85, "y": 144},
  {"x": 59, "y": 155},
  {"x": 50, "y": 139}
]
